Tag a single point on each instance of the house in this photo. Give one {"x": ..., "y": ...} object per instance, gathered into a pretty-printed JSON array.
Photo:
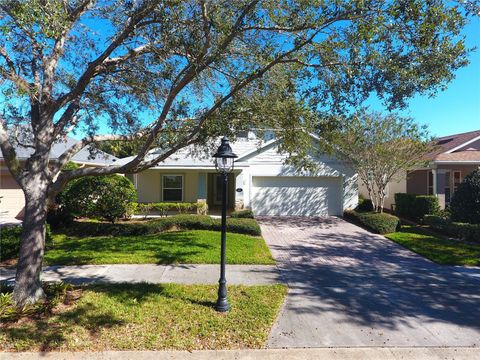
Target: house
[
  {"x": 454, "y": 157},
  {"x": 12, "y": 200},
  {"x": 260, "y": 181}
]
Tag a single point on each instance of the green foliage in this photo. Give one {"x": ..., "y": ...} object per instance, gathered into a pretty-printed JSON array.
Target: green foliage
[
  {"x": 463, "y": 231},
  {"x": 56, "y": 293},
  {"x": 154, "y": 226},
  {"x": 168, "y": 247},
  {"x": 163, "y": 208},
  {"x": 248, "y": 214},
  {"x": 379, "y": 147},
  {"x": 380, "y": 223},
  {"x": 10, "y": 241},
  {"x": 465, "y": 204},
  {"x": 119, "y": 317},
  {"x": 107, "y": 197},
  {"x": 120, "y": 148},
  {"x": 364, "y": 205},
  {"x": 415, "y": 207}
]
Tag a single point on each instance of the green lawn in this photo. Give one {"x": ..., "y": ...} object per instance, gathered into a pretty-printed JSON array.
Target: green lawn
[
  {"x": 149, "y": 317},
  {"x": 436, "y": 248},
  {"x": 181, "y": 247}
]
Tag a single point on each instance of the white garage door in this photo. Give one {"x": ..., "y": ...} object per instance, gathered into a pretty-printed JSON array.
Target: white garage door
[{"x": 302, "y": 196}]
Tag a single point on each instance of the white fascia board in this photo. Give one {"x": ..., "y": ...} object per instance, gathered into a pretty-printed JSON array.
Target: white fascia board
[
  {"x": 257, "y": 150},
  {"x": 465, "y": 162},
  {"x": 192, "y": 167},
  {"x": 462, "y": 145}
]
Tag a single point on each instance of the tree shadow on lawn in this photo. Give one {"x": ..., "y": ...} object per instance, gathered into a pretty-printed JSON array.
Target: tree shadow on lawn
[
  {"x": 45, "y": 335},
  {"x": 127, "y": 293},
  {"x": 372, "y": 281},
  {"x": 166, "y": 248}
]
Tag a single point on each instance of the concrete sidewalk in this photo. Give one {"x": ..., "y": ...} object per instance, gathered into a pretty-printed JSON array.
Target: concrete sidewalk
[
  {"x": 370, "y": 353},
  {"x": 156, "y": 274}
]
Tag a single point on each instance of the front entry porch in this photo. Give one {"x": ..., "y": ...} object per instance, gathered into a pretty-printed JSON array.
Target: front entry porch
[
  {"x": 441, "y": 181},
  {"x": 188, "y": 185}
]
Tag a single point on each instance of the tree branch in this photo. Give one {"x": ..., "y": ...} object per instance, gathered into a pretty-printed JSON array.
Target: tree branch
[
  {"x": 9, "y": 154},
  {"x": 12, "y": 74},
  {"x": 58, "y": 47}
]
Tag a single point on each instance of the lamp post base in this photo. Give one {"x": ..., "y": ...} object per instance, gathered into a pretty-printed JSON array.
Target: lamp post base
[{"x": 222, "y": 305}]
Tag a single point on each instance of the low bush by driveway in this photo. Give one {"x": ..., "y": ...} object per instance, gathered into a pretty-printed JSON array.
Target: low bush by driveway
[{"x": 379, "y": 223}]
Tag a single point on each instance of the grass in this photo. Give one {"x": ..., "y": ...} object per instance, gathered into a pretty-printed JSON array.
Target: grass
[
  {"x": 186, "y": 247},
  {"x": 149, "y": 317},
  {"x": 436, "y": 248}
]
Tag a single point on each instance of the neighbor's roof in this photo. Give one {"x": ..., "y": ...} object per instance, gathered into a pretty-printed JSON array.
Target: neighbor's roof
[
  {"x": 190, "y": 157},
  {"x": 456, "y": 147},
  {"x": 84, "y": 156}
]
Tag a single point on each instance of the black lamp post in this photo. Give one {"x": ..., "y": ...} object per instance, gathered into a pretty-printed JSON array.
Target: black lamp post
[{"x": 224, "y": 162}]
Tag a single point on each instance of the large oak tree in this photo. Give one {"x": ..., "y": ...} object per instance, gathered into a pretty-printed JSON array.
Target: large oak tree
[{"x": 179, "y": 72}]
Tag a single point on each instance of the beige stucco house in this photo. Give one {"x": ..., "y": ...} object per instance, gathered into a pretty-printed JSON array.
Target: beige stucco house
[
  {"x": 455, "y": 157},
  {"x": 260, "y": 181}
]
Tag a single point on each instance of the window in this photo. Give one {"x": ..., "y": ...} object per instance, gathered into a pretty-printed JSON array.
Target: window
[
  {"x": 448, "y": 191},
  {"x": 430, "y": 183},
  {"x": 172, "y": 187},
  {"x": 457, "y": 179}
]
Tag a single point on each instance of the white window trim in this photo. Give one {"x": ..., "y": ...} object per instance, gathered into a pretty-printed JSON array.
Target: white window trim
[{"x": 183, "y": 186}]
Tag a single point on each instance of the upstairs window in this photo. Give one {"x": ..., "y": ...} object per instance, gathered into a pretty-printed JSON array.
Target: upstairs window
[{"x": 172, "y": 187}]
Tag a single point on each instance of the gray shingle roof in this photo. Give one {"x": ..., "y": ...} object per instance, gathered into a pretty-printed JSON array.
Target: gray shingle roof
[
  {"x": 188, "y": 157},
  {"x": 85, "y": 156}
]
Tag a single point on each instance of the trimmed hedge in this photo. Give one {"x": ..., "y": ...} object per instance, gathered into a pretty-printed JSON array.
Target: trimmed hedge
[
  {"x": 364, "y": 205},
  {"x": 242, "y": 214},
  {"x": 164, "y": 207},
  {"x": 463, "y": 231},
  {"x": 415, "y": 207},
  {"x": 181, "y": 222},
  {"x": 10, "y": 241},
  {"x": 380, "y": 223}
]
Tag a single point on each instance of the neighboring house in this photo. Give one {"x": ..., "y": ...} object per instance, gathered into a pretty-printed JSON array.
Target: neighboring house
[
  {"x": 260, "y": 181},
  {"x": 12, "y": 200},
  {"x": 455, "y": 157}
]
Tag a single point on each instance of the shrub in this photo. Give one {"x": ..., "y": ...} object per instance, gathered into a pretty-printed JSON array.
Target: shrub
[
  {"x": 425, "y": 205},
  {"x": 415, "y": 207},
  {"x": 245, "y": 214},
  {"x": 364, "y": 205},
  {"x": 10, "y": 241},
  {"x": 404, "y": 204},
  {"x": 107, "y": 197},
  {"x": 162, "y": 208},
  {"x": 380, "y": 223},
  {"x": 465, "y": 204},
  {"x": 463, "y": 231},
  {"x": 202, "y": 207},
  {"x": 181, "y": 222}
]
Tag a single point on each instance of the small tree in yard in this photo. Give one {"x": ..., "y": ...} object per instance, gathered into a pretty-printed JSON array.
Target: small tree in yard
[
  {"x": 465, "y": 204},
  {"x": 170, "y": 74},
  {"x": 380, "y": 147},
  {"x": 109, "y": 197}
]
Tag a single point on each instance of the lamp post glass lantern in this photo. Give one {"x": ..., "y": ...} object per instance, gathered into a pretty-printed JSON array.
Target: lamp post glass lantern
[{"x": 224, "y": 163}]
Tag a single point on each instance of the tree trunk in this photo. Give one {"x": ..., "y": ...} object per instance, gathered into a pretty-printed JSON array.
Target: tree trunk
[{"x": 28, "y": 287}]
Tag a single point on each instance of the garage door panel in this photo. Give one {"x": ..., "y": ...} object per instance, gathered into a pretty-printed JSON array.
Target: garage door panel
[{"x": 296, "y": 196}]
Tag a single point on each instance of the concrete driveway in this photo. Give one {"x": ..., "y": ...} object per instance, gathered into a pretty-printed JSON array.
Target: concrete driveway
[{"x": 349, "y": 287}]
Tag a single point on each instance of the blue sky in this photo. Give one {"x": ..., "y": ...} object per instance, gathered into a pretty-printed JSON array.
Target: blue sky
[{"x": 457, "y": 109}]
